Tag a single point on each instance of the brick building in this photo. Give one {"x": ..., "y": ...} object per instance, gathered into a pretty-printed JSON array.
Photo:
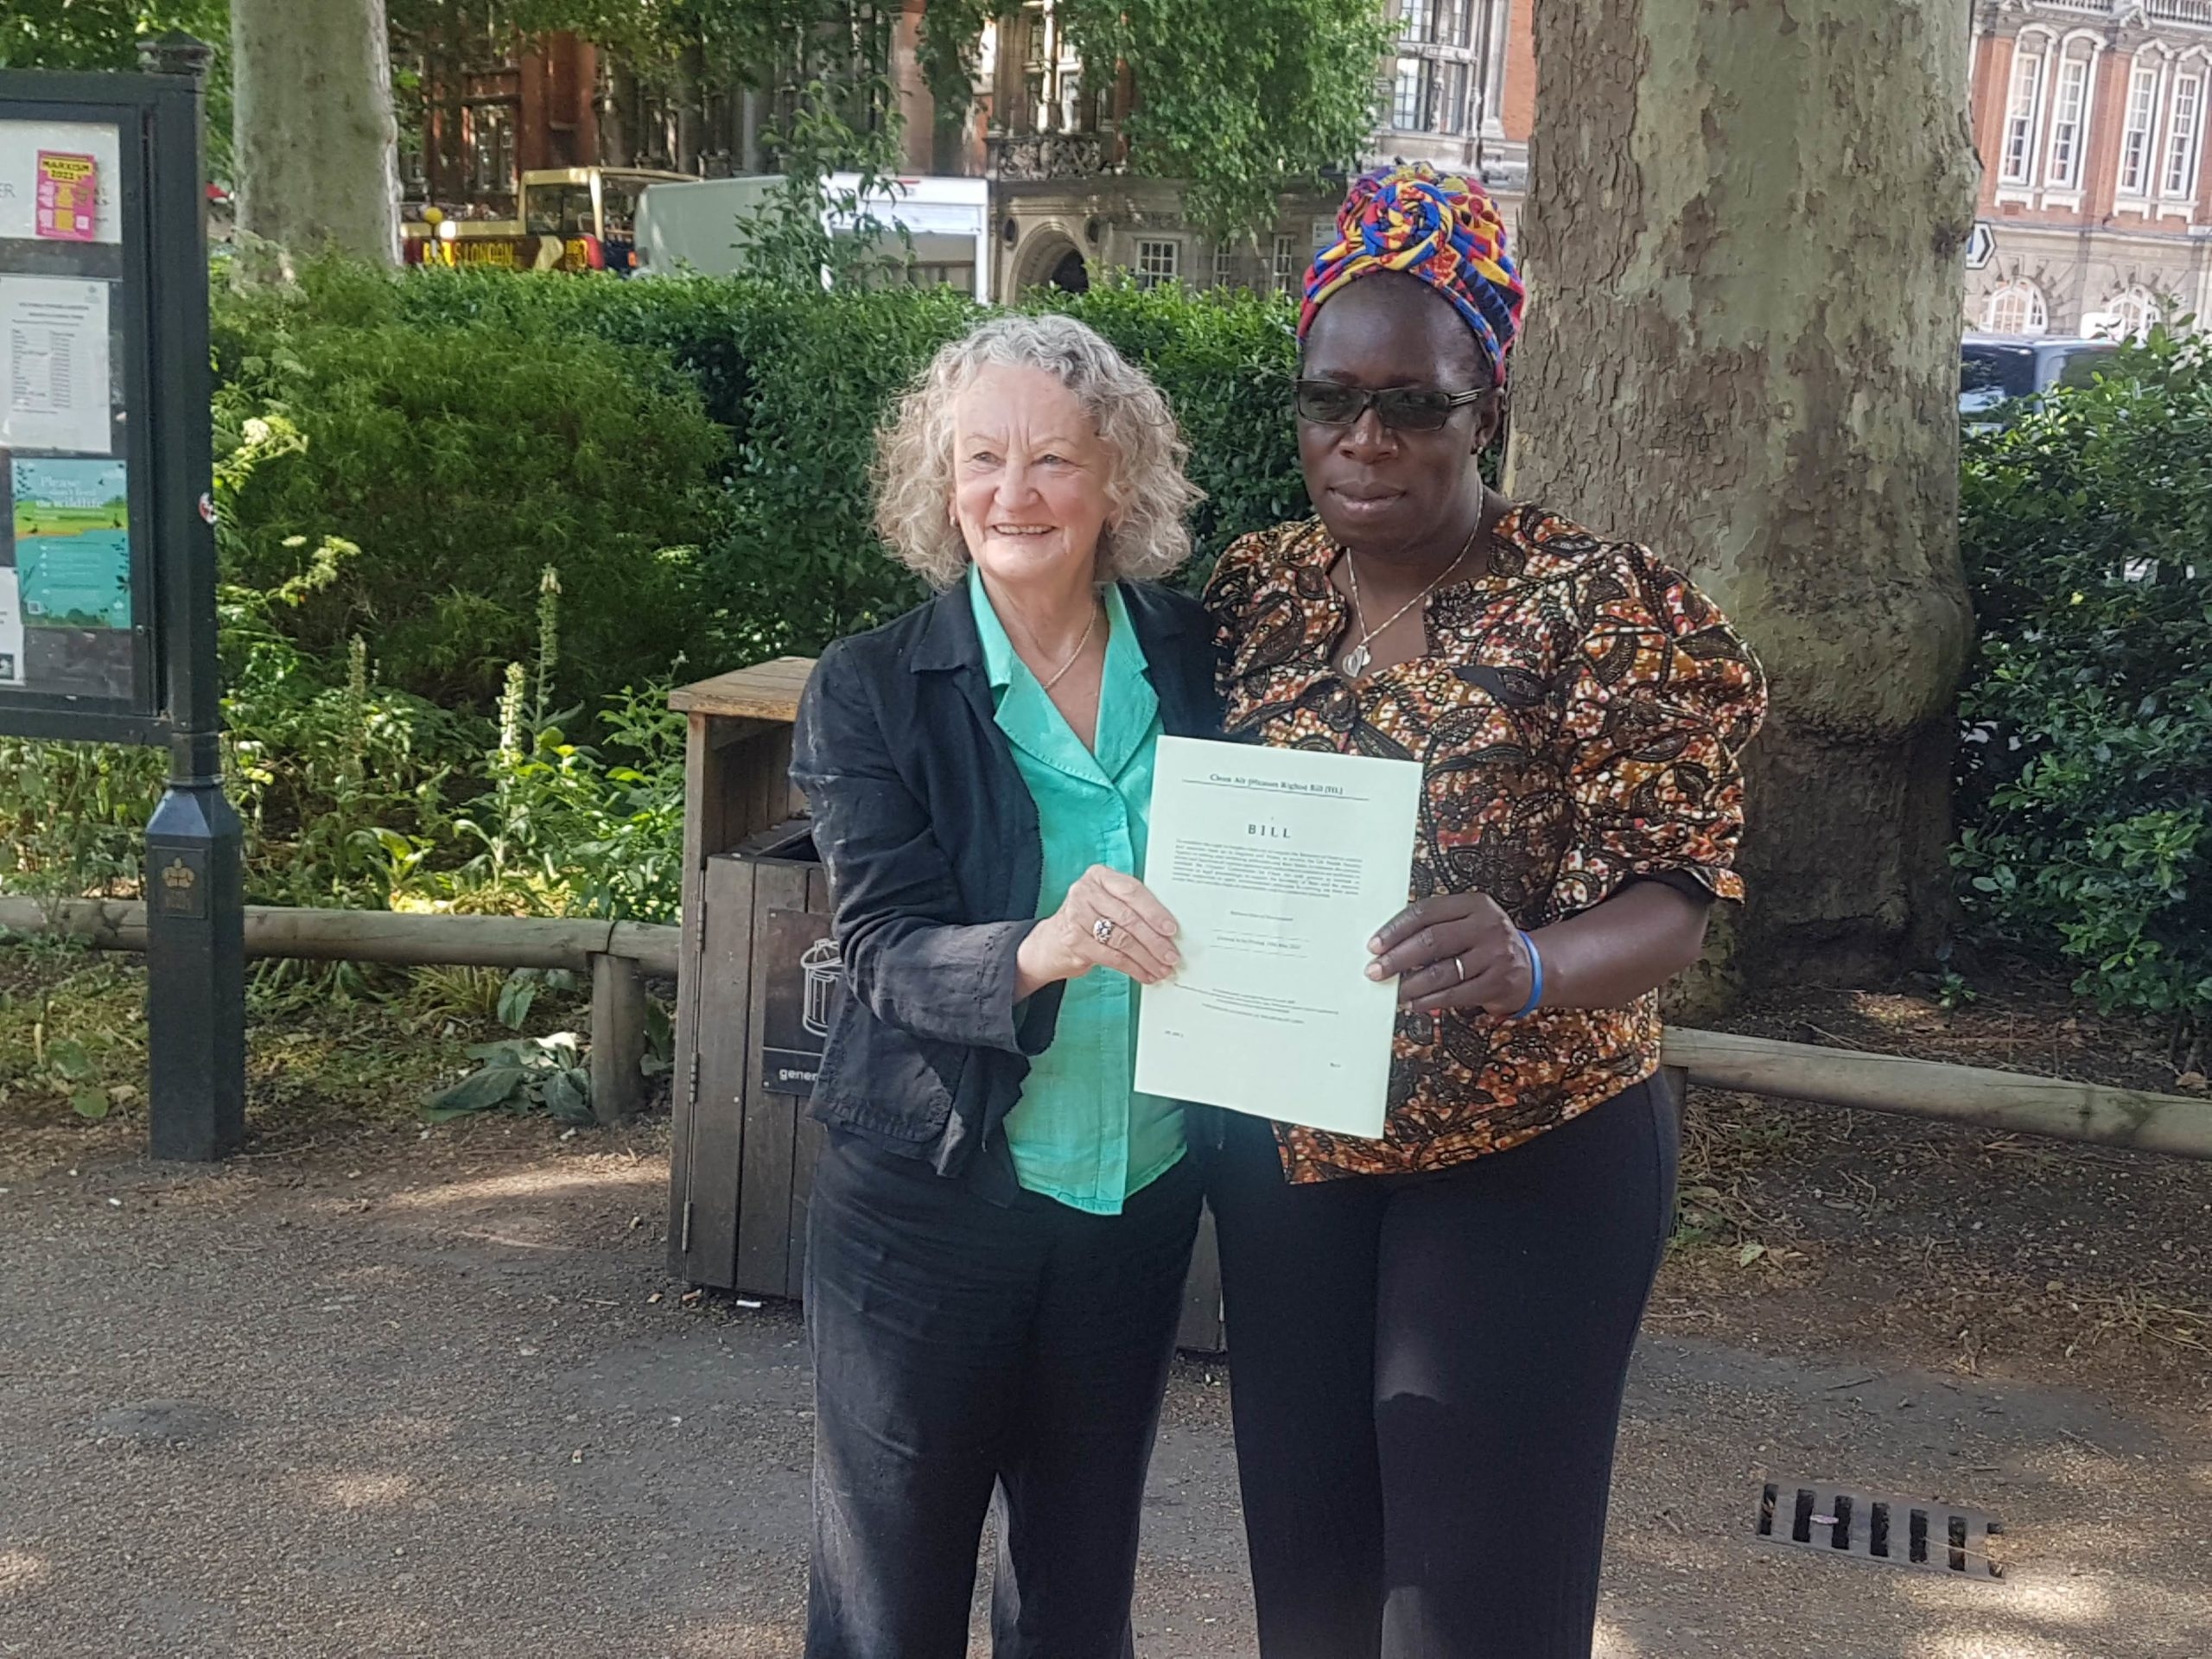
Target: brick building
[
  {"x": 2089, "y": 116},
  {"x": 1462, "y": 90},
  {"x": 486, "y": 117}
]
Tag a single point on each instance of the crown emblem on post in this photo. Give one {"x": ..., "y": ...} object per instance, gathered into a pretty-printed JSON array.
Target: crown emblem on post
[{"x": 178, "y": 876}]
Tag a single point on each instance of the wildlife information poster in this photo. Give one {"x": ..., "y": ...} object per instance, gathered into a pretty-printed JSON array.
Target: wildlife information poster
[{"x": 64, "y": 577}]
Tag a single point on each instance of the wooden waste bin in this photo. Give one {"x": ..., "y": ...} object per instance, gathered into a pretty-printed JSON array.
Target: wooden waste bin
[{"x": 756, "y": 983}]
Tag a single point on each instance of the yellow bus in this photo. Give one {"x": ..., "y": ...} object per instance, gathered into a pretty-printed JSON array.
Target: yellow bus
[{"x": 570, "y": 219}]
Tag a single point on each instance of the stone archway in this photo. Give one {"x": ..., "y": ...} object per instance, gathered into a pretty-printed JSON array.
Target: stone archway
[{"x": 1050, "y": 259}]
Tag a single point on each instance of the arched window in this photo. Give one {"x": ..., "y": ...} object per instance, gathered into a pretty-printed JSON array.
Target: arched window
[
  {"x": 2016, "y": 307},
  {"x": 2133, "y": 314}
]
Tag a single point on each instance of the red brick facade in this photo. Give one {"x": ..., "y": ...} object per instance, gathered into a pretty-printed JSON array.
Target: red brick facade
[{"x": 2090, "y": 119}]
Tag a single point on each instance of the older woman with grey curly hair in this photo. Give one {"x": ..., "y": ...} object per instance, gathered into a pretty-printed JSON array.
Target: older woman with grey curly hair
[{"x": 1001, "y": 1222}]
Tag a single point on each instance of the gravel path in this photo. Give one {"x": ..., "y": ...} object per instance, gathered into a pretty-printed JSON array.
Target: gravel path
[{"x": 398, "y": 1397}]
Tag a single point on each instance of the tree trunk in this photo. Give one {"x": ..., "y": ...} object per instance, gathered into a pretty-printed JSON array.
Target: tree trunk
[
  {"x": 317, "y": 148},
  {"x": 618, "y": 121},
  {"x": 1744, "y": 234},
  {"x": 691, "y": 98}
]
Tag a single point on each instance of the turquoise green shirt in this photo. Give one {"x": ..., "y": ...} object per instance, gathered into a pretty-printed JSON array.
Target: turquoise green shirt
[{"x": 1081, "y": 1133}]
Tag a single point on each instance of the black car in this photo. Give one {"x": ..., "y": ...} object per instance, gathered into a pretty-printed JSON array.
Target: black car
[{"x": 1999, "y": 369}]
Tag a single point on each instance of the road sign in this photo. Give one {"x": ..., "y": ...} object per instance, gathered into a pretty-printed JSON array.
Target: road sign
[{"x": 1981, "y": 245}]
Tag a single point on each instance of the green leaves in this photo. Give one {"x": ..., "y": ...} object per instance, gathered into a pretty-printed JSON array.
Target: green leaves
[
  {"x": 103, "y": 34},
  {"x": 1240, "y": 99},
  {"x": 518, "y": 1076},
  {"x": 479, "y": 1091},
  {"x": 2085, "y": 772},
  {"x": 67, "y": 1060},
  {"x": 948, "y": 49},
  {"x": 465, "y": 438},
  {"x": 515, "y": 998}
]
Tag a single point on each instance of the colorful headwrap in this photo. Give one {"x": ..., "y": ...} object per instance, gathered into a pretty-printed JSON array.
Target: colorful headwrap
[{"x": 1441, "y": 227}]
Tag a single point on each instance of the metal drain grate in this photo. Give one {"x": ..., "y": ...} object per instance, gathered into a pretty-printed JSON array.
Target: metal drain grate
[{"x": 1887, "y": 1531}]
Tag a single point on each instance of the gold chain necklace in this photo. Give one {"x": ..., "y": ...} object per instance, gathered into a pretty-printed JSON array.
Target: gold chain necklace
[{"x": 1061, "y": 672}]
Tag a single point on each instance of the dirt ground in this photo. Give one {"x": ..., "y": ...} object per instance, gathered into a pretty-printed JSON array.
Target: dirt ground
[
  {"x": 372, "y": 1389},
  {"x": 1973, "y": 1251}
]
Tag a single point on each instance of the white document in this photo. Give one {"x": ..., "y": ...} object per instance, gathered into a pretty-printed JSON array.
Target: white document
[
  {"x": 53, "y": 384},
  {"x": 11, "y": 631},
  {"x": 1278, "y": 865}
]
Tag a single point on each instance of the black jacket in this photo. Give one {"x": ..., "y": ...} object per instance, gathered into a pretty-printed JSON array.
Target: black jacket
[{"x": 935, "y": 861}]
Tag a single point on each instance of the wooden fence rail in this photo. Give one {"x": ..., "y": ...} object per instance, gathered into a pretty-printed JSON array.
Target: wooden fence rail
[
  {"x": 615, "y": 953},
  {"x": 2013, "y": 1101}
]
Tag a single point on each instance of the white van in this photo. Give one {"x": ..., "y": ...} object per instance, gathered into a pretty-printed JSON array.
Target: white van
[{"x": 694, "y": 225}]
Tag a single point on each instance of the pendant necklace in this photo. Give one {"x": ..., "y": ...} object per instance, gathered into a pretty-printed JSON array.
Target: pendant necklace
[{"x": 1361, "y": 655}]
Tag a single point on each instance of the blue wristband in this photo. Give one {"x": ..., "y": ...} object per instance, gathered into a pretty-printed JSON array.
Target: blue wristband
[{"x": 1536, "y": 970}]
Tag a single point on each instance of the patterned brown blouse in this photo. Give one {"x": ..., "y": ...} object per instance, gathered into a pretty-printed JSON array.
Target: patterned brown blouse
[{"x": 1581, "y": 711}]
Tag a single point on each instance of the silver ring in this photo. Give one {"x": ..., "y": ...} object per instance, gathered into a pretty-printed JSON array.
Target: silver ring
[
  {"x": 1462, "y": 966},
  {"x": 1103, "y": 930}
]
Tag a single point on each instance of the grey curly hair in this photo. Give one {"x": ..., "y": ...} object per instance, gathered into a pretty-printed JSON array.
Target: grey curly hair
[{"x": 1147, "y": 491}]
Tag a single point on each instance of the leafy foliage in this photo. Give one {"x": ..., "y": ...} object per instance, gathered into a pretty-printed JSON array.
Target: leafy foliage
[
  {"x": 466, "y": 457},
  {"x": 2085, "y": 785},
  {"x": 518, "y": 1075},
  {"x": 948, "y": 49},
  {"x": 105, "y": 34},
  {"x": 356, "y": 793},
  {"x": 1243, "y": 99},
  {"x": 99, "y": 34},
  {"x": 799, "y": 380},
  {"x": 786, "y": 242},
  {"x": 1240, "y": 98},
  {"x": 71, "y": 1036},
  {"x": 1226, "y": 359}
]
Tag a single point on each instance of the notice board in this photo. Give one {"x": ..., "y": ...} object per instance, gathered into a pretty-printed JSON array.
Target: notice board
[{"x": 95, "y": 519}]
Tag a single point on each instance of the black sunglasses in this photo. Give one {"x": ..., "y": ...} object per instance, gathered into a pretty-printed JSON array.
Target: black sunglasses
[{"x": 1403, "y": 409}]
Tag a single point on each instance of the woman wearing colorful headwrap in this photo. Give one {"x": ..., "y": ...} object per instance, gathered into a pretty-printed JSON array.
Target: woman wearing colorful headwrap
[{"x": 1431, "y": 1331}]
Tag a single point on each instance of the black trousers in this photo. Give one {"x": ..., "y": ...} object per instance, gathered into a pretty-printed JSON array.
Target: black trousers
[
  {"x": 1426, "y": 1376},
  {"x": 961, "y": 1344}
]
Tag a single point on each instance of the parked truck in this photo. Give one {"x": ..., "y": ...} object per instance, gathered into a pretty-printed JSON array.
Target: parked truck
[{"x": 934, "y": 229}]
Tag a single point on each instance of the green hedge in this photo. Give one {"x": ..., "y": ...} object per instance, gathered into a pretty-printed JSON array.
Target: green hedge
[
  {"x": 2085, "y": 786},
  {"x": 460, "y": 462},
  {"x": 692, "y": 454}
]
